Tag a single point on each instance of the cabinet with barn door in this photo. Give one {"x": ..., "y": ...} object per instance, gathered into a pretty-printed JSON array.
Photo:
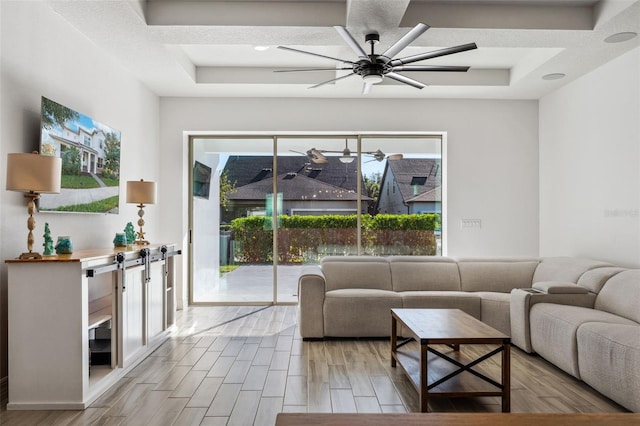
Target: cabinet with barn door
[{"x": 79, "y": 322}]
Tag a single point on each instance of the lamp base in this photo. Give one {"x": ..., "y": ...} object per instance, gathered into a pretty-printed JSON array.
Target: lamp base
[
  {"x": 141, "y": 242},
  {"x": 30, "y": 256}
]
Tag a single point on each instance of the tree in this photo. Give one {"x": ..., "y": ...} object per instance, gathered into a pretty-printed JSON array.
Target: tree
[
  {"x": 71, "y": 161},
  {"x": 226, "y": 188},
  {"x": 112, "y": 157},
  {"x": 372, "y": 189},
  {"x": 54, "y": 113}
]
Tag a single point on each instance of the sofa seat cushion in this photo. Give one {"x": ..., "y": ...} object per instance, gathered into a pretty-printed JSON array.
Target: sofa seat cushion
[
  {"x": 495, "y": 308},
  {"x": 359, "y": 312},
  {"x": 554, "y": 328},
  {"x": 467, "y": 302},
  {"x": 609, "y": 360}
]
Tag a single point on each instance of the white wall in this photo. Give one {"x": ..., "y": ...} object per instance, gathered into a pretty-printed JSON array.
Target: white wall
[
  {"x": 492, "y": 147},
  {"x": 42, "y": 55},
  {"x": 590, "y": 165}
]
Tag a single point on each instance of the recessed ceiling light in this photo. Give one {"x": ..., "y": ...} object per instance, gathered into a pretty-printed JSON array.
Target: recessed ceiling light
[
  {"x": 553, "y": 76},
  {"x": 261, "y": 48},
  {"x": 620, "y": 37}
]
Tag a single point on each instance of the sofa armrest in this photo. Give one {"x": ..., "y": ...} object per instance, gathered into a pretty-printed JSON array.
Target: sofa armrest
[
  {"x": 559, "y": 287},
  {"x": 311, "y": 289},
  {"x": 523, "y": 299}
]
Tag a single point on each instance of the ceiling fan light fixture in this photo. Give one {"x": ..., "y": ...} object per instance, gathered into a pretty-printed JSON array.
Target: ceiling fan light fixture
[
  {"x": 346, "y": 157},
  {"x": 372, "y": 78}
]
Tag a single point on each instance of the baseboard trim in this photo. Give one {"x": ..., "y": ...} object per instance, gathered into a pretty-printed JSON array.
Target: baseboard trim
[{"x": 4, "y": 390}]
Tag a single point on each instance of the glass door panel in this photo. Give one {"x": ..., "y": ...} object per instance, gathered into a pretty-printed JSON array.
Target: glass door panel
[
  {"x": 232, "y": 244},
  {"x": 403, "y": 178},
  {"x": 318, "y": 185}
]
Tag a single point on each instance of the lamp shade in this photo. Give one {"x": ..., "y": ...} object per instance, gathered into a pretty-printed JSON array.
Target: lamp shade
[
  {"x": 141, "y": 192},
  {"x": 36, "y": 173}
]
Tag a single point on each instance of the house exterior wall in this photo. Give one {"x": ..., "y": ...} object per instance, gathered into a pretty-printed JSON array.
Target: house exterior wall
[
  {"x": 390, "y": 199},
  {"x": 316, "y": 208},
  {"x": 425, "y": 207}
]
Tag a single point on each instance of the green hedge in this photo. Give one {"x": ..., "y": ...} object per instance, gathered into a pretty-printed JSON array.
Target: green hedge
[{"x": 307, "y": 238}]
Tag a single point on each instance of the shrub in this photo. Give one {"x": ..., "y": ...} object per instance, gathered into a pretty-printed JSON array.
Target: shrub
[{"x": 305, "y": 238}]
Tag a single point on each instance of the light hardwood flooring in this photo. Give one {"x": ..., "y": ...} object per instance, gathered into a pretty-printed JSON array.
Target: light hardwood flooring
[{"x": 243, "y": 365}]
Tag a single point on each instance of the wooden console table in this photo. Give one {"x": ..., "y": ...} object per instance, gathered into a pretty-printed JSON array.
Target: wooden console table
[{"x": 55, "y": 306}]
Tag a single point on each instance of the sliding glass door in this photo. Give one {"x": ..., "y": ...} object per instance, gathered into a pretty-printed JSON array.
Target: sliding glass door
[{"x": 278, "y": 202}]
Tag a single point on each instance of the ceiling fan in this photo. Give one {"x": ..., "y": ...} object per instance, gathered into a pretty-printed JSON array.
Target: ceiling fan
[
  {"x": 317, "y": 155},
  {"x": 374, "y": 67}
]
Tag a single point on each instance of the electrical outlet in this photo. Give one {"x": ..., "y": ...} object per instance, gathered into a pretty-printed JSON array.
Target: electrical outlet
[{"x": 470, "y": 223}]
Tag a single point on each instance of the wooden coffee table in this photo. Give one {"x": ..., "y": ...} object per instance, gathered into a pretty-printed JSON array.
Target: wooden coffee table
[{"x": 430, "y": 370}]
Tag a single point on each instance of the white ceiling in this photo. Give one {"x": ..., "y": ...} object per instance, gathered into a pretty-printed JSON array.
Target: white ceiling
[{"x": 206, "y": 47}]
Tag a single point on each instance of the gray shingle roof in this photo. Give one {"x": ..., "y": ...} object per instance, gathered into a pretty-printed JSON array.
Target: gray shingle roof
[
  {"x": 294, "y": 187},
  {"x": 406, "y": 169},
  {"x": 245, "y": 169}
]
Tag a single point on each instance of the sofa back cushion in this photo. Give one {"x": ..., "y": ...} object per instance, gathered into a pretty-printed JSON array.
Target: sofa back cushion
[
  {"x": 594, "y": 279},
  {"x": 500, "y": 274},
  {"x": 356, "y": 272},
  {"x": 568, "y": 269},
  {"x": 415, "y": 273},
  {"x": 620, "y": 295}
]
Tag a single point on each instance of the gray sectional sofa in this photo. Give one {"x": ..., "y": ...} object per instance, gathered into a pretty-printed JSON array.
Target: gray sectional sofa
[{"x": 582, "y": 315}]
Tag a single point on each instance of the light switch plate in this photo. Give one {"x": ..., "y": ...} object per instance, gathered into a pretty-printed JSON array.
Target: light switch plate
[{"x": 470, "y": 223}]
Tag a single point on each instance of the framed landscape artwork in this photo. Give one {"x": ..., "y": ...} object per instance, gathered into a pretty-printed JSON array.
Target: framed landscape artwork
[{"x": 90, "y": 153}]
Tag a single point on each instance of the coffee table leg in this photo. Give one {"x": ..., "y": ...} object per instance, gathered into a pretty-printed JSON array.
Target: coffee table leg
[
  {"x": 506, "y": 378},
  {"x": 424, "y": 393},
  {"x": 394, "y": 339}
]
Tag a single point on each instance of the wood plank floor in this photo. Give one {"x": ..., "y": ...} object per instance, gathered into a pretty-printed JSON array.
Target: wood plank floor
[{"x": 243, "y": 365}]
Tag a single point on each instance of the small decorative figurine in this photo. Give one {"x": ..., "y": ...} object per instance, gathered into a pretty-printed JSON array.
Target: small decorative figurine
[
  {"x": 130, "y": 233},
  {"x": 48, "y": 241},
  {"x": 64, "y": 246},
  {"x": 120, "y": 240}
]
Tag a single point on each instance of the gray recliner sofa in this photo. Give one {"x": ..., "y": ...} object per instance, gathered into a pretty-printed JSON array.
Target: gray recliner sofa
[{"x": 582, "y": 315}]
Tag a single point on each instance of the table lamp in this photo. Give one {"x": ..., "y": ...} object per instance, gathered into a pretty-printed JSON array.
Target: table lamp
[
  {"x": 141, "y": 192},
  {"x": 33, "y": 174}
]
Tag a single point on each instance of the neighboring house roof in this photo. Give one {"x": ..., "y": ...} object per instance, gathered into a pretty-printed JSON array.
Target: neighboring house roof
[
  {"x": 245, "y": 169},
  {"x": 295, "y": 186},
  {"x": 427, "y": 197},
  {"x": 407, "y": 169}
]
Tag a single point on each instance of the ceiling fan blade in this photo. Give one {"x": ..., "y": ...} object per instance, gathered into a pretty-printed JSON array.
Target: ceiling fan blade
[
  {"x": 434, "y": 54},
  {"x": 430, "y": 68},
  {"x": 366, "y": 88},
  {"x": 332, "y": 80},
  {"x": 406, "y": 40},
  {"x": 314, "y": 54},
  {"x": 315, "y": 69},
  {"x": 317, "y": 156},
  {"x": 353, "y": 44},
  {"x": 405, "y": 80}
]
